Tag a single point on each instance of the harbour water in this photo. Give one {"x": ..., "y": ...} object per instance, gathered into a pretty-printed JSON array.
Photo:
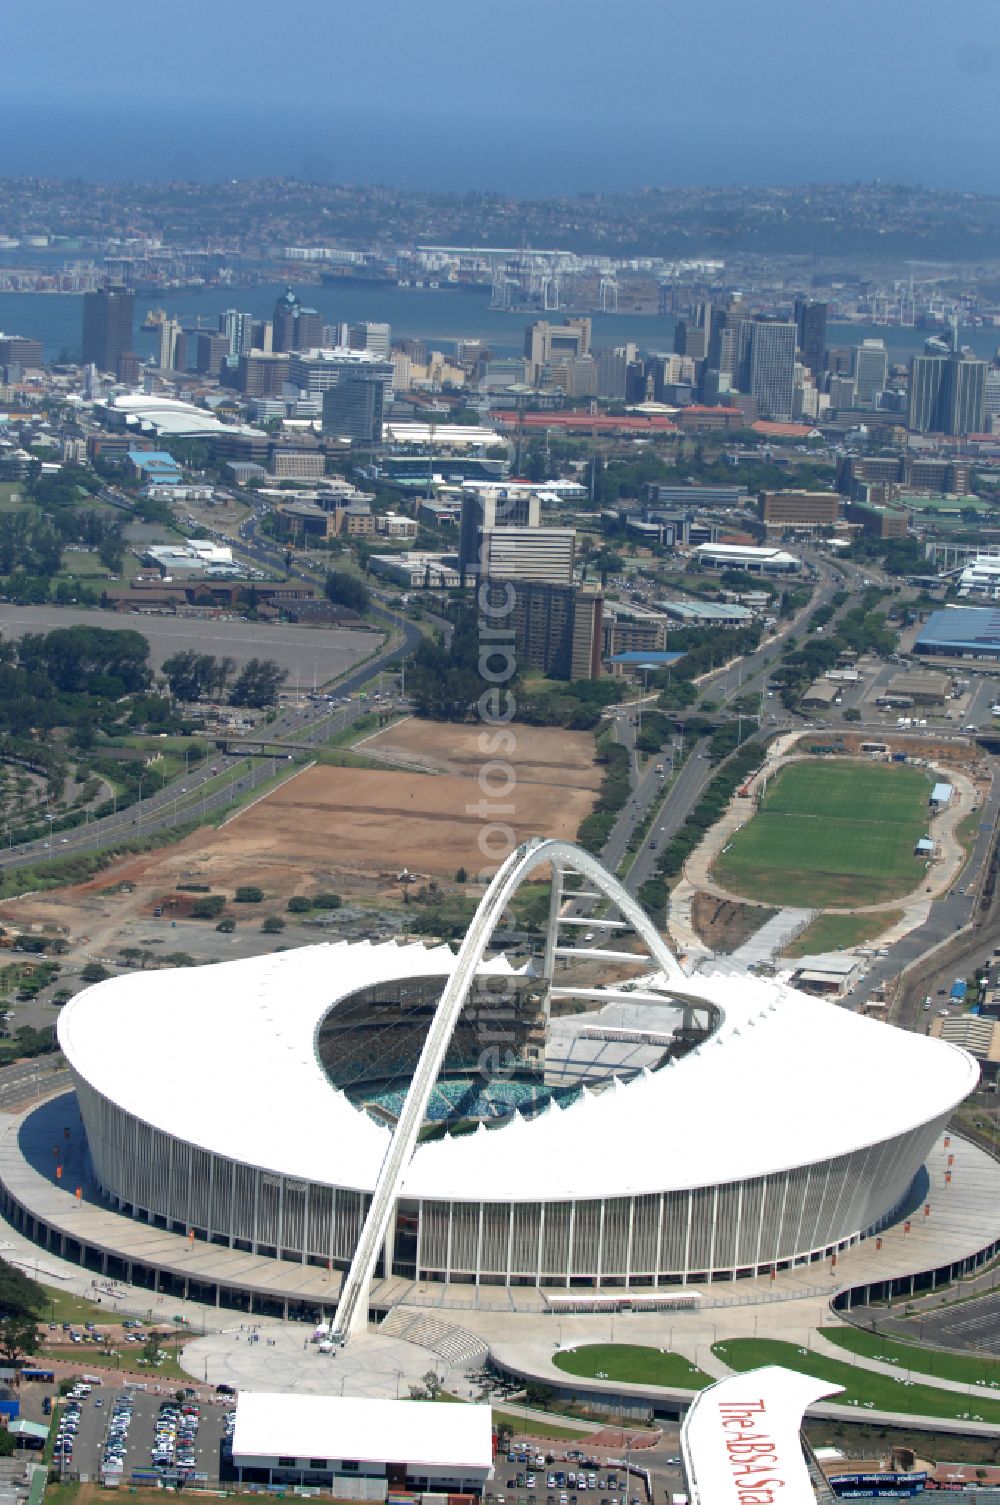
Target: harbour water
[{"x": 439, "y": 316}]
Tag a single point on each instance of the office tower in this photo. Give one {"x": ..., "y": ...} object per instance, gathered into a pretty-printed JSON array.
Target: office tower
[
  {"x": 992, "y": 405},
  {"x": 870, "y": 372},
  {"x": 238, "y": 330},
  {"x": 487, "y": 508},
  {"x": 17, "y": 350},
  {"x": 308, "y": 331},
  {"x": 509, "y": 553},
  {"x": 612, "y": 371},
  {"x": 810, "y": 330},
  {"x": 692, "y": 336},
  {"x": 170, "y": 333},
  {"x": 107, "y": 326},
  {"x": 416, "y": 350},
  {"x": 842, "y": 393},
  {"x": 261, "y": 374},
  {"x": 128, "y": 368},
  {"x": 557, "y": 628},
  {"x": 947, "y": 394},
  {"x": 924, "y": 403},
  {"x": 355, "y": 408},
  {"x": 963, "y": 395},
  {"x": 376, "y": 338},
  {"x": 211, "y": 349},
  {"x": 180, "y": 351},
  {"x": 771, "y": 367},
  {"x": 544, "y": 342},
  {"x": 283, "y": 322}
]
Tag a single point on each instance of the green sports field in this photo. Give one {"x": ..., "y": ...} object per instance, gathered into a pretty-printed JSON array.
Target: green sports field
[{"x": 831, "y": 835}]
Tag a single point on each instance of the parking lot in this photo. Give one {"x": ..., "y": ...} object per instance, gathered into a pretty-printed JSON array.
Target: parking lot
[
  {"x": 534, "y": 1478},
  {"x": 128, "y": 1426}
]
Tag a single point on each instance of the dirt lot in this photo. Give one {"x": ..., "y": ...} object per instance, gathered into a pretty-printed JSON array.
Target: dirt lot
[
  {"x": 724, "y": 925},
  {"x": 347, "y": 829},
  {"x": 543, "y": 755}
]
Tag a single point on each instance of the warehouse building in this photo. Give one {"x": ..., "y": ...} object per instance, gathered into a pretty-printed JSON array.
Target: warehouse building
[
  {"x": 361, "y": 1448},
  {"x": 734, "y": 556},
  {"x": 971, "y": 632}
]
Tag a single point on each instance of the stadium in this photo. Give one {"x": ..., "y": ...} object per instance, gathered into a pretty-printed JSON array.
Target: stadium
[{"x": 488, "y": 1118}]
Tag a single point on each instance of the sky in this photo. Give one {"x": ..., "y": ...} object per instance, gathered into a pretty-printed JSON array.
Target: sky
[{"x": 528, "y": 97}]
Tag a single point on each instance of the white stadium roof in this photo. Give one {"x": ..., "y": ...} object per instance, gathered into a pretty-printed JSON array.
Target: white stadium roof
[
  {"x": 171, "y": 416},
  {"x": 371, "y": 1431},
  {"x": 740, "y": 1438},
  {"x": 786, "y": 1080}
]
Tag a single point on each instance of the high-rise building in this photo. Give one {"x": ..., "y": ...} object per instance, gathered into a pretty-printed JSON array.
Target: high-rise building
[
  {"x": 170, "y": 333},
  {"x": 308, "y": 331},
  {"x": 487, "y": 508},
  {"x": 18, "y": 350},
  {"x": 693, "y": 336},
  {"x": 557, "y": 628},
  {"x": 947, "y": 394},
  {"x": 963, "y": 395},
  {"x": 355, "y": 407},
  {"x": 261, "y": 375},
  {"x": 544, "y": 342},
  {"x": 283, "y": 322},
  {"x": 377, "y": 338},
  {"x": 107, "y": 326},
  {"x": 238, "y": 330},
  {"x": 771, "y": 367},
  {"x": 528, "y": 554},
  {"x": 869, "y": 371},
  {"x": 612, "y": 370},
  {"x": 810, "y": 330},
  {"x": 211, "y": 349}
]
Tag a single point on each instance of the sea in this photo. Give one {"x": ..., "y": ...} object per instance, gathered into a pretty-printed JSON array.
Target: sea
[{"x": 441, "y": 316}]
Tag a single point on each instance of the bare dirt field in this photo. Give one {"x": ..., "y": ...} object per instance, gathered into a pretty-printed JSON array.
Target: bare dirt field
[
  {"x": 351, "y": 830},
  {"x": 543, "y": 755},
  {"x": 724, "y": 925}
]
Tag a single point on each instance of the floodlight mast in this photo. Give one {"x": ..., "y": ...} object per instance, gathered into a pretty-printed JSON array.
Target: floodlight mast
[{"x": 352, "y": 1309}]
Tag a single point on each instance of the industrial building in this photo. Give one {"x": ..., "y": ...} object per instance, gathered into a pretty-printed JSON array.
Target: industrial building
[
  {"x": 361, "y": 1448},
  {"x": 695, "y": 613},
  {"x": 971, "y": 632}
]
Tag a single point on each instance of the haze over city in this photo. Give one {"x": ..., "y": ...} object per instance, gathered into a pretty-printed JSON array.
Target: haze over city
[{"x": 527, "y": 97}]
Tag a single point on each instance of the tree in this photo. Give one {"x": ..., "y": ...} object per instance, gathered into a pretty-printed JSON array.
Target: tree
[
  {"x": 347, "y": 590},
  {"x": 18, "y": 1337},
  {"x": 191, "y": 675},
  {"x": 94, "y": 972},
  {"x": 208, "y": 908},
  {"x": 258, "y": 684},
  {"x": 327, "y": 901},
  {"x": 299, "y": 904},
  {"x": 226, "y": 927},
  {"x": 248, "y": 893},
  {"x": 272, "y": 925}
]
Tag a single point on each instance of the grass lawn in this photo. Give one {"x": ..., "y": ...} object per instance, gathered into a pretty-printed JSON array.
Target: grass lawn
[
  {"x": 10, "y": 497},
  {"x": 966, "y": 1368},
  {"x": 632, "y": 1363},
  {"x": 64, "y": 1306},
  {"x": 830, "y": 932},
  {"x": 532, "y": 1428},
  {"x": 862, "y": 1386},
  {"x": 831, "y": 834},
  {"x": 88, "y": 1357}
]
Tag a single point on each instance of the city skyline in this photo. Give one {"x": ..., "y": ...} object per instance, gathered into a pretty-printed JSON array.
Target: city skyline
[{"x": 527, "y": 102}]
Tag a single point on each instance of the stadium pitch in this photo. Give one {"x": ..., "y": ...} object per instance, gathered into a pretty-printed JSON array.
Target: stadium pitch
[{"x": 831, "y": 835}]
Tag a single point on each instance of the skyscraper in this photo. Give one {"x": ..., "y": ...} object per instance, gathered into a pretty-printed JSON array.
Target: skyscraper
[
  {"x": 810, "y": 327},
  {"x": 963, "y": 395},
  {"x": 870, "y": 372},
  {"x": 947, "y": 394},
  {"x": 107, "y": 326},
  {"x": 488, "y": 508},
  {"x": 238, "y": 329},
  {"x": 772, "y": 367},
  {"x": 170, "y": 335},
  {"x": 283, "y": 323},
  {"x": 374, "y": 337},
  {"x": 354, "y": 409}
]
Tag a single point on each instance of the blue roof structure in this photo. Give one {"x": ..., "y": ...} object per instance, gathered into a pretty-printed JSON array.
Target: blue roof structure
[
  {"x": 636, "y": 659},
  {"x": 155, "y": 464},
  {"x": 961, "y": 631}
]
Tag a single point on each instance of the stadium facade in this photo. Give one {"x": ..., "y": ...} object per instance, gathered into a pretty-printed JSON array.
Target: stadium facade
[{"x": 246, "y": 1104}]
